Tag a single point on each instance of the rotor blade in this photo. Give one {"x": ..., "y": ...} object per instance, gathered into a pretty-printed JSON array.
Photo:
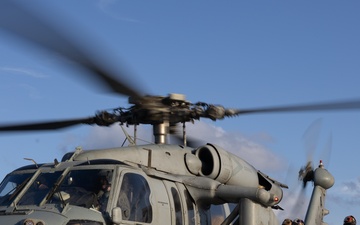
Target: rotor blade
[
  {"x": 50, "y": 125},
  {"x": 327, "y": 106},
  {"x": 298, "y": 210},
  {"x": 311, "y": 138},
  {"x": 28, "y": 25},
  {"x": 326, "y": 152}
]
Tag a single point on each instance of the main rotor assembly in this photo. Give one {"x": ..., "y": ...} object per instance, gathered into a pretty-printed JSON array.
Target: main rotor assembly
[{"x": 163, "y": 112}]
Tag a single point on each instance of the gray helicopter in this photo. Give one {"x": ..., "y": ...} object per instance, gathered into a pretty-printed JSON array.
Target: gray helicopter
[{"x": 158, "y": 183}]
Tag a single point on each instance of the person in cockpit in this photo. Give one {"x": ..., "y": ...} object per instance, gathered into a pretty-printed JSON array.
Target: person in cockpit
[{"x": 103, "y": 194}]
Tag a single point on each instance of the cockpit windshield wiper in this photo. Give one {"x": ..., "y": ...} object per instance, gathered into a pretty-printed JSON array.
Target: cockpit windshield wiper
[
  {"x": 55, "y": 188},
  {"x": 18, "y": 188}
]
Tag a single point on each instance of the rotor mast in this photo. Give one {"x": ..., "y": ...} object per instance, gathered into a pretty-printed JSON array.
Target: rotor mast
[{"x": 160, "y": 132}]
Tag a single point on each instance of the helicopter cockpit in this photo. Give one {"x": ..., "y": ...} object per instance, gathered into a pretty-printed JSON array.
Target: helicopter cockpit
[
  {"x": 79, "y": 187},
  {"x": 82, "y": 191},
  {"x": 99, "y": 191}
]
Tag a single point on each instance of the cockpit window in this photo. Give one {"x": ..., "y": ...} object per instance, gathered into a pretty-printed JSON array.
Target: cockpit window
[
  {"x": 85, "y": 188},
  {"x": 11, "y": 187},
  {"x": 134, "y": 198},
  {"x": 39, "y": 188},
  {"x": 89, "y": 188}
]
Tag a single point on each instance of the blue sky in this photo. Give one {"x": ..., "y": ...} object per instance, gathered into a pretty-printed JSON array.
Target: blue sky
[{"x": 240, "y": 54}]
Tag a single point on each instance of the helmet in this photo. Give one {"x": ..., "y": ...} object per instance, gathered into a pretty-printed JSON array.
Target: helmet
[
  {"x": 287, "y": 222},
  {"x": 349, "y": 220},
  {"x": 298, "y": 221}
]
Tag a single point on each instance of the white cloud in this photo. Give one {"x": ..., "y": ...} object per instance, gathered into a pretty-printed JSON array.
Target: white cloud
[
  {"x": 30, "y": 90},
  {"x": 113, "y": 136},
  {"x": 247, "y": 148},
  {"x": 22, "y": 71},
  {"x": 253, "y": 152},
  {"x": 347, "y": 193}
]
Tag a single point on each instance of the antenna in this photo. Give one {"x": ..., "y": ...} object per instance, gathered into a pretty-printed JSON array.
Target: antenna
[{"x": 32, "y": 161}]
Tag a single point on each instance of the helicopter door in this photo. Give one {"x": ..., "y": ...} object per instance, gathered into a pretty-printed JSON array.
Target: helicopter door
[
  {"x": 183, "y": 210},
  {"x": 189, "y": 208},
  {"x": 134, "y": 199},
  {"x": 175, "y": 203}
]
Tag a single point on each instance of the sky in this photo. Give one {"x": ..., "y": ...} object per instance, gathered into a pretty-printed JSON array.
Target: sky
[{"x": 240, "y": 54}]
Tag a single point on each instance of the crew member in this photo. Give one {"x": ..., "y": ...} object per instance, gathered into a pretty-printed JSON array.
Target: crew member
[
  {"x": 298, "y": 222},
  {"x": 349, "y": 220},
  {"x": 287, "y": 222}
]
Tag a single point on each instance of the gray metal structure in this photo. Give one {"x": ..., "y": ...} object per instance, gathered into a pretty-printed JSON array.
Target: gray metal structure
[
  {"x": 157, "y": 183},
  {"x": 148, "y": 184}
]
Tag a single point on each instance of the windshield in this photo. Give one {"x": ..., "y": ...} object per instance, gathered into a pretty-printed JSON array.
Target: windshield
[
  {"x": 40, "y": 188},
  {"x": 11, "y": 187},
  {"x": 87, "y": 188}
]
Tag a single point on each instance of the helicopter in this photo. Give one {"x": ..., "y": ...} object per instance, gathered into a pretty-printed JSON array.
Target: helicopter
[{"x": 158, "y": 183}]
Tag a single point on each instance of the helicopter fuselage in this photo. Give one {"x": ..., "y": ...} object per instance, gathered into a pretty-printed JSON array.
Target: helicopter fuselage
[{"x": 150, "y": 184}]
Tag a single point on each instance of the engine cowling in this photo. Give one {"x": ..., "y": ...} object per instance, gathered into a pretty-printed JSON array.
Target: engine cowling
[
  {"x": 216, "y": 163},
  {"x": 226, "y": 168}
]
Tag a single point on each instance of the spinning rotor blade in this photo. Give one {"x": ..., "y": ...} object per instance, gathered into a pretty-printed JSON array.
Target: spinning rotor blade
[
  {"x": 51, "y": 125},
  {"x": 102, "y": 118},
  {"x": 311, "y": 139},
  {"x": 186, "y": 114},
  {"x": 326, "y": 152},
  {"x": 338, "y": 105},
  {"x": 39, "y": 30},
  {"x": 190, "y": 141},
  {"x": 24, "y": 23}
]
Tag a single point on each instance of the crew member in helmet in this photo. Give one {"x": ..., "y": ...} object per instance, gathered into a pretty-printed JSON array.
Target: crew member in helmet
[
  {"x": 287, "y": 222},
  {"x": 298, "y": 222},
  {"x": 349, "y": 220}
]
